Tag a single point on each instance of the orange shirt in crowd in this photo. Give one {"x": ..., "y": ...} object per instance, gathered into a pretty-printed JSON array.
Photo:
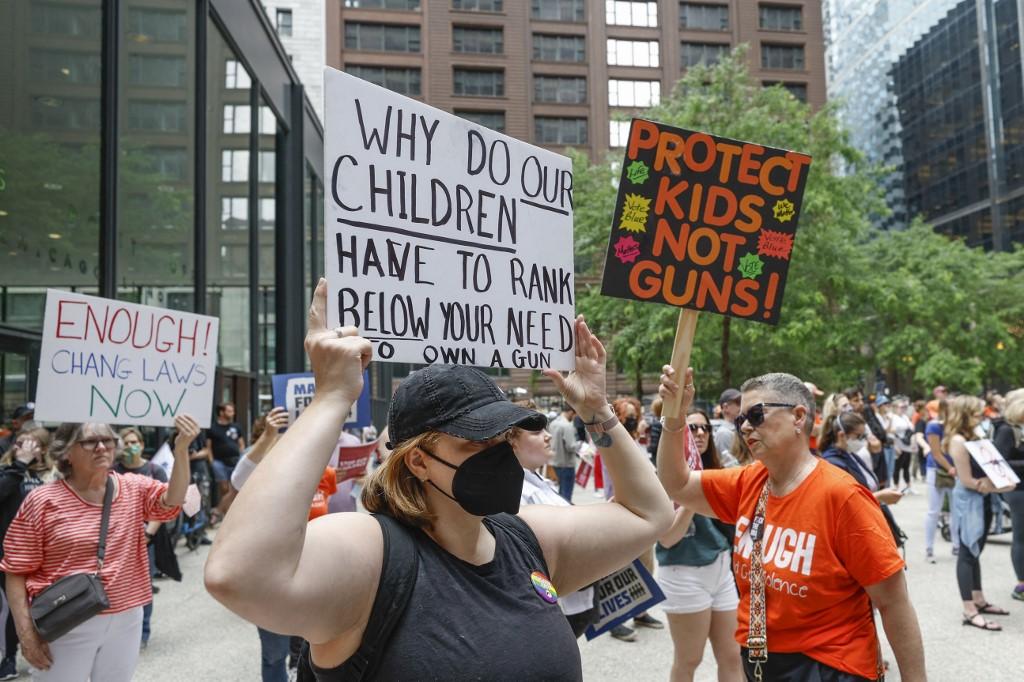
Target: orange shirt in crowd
[
  {"x": 822, "y": 543},
  {"x": 327, "y": 486}
]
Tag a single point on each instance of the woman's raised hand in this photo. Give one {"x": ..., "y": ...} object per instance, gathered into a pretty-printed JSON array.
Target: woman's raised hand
[
  {"x": 338, "y": 356},
  {"x": 669, "y": 388},
  {"x": 188, "y": 429},
  {"x": 276, "y": 419},
  {"x": 585, "y": 387}
]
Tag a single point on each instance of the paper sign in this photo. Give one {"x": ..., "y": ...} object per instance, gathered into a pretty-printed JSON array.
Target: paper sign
[
  {"x": 704, "y": 222},
  {"x": 992, "y": 463},
  {"x": 164, "y": 458},
  {"x": 109, "y": 361},
  {"x": 623, "y": 595},
  {"x": 294, "y": 392},
  {"x": 445, "y": 242},
  {"x": 352, "y": 460}
]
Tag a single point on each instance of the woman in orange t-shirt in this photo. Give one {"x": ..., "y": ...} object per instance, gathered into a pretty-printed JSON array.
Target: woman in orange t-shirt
[{"x": 826, "y": 553}]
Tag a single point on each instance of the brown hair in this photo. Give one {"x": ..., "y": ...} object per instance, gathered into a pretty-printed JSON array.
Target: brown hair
[
  {"x": 844, "y": 422},
  {"x": 66, "y": 435},
  {"x": 657, "y": 406},
  {"x": 959, "y": 411},
  {"x": 131, "y": 429},
  {"x": 716, "y": 460},
  {"x": 393, "y": 490},
  {"x": 42, "y": 436},
  {"x": 619, "y": 406}
]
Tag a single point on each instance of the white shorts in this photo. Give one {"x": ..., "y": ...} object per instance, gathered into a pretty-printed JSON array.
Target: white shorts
[{"x": 691, "y": 589}]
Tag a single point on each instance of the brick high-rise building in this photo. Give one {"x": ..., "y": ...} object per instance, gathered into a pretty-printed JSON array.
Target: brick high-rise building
[{"x": 554, "y": 72}]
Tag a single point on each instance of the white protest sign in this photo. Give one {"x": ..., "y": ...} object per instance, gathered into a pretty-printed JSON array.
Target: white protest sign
[
  {"x": 992, "y": 463},
  {"x": 445, "y": 242},
  {"x": 104, "y": 360},
  {"x": 298, "y": 394}
]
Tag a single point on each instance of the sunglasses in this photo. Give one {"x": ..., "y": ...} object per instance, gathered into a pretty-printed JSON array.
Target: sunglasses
[
  {"x": 694, "y": 428},
  {"x": 756, "y": 414}
]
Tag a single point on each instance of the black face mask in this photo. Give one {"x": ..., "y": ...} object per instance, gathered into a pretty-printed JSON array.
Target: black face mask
[
  {"x": 489, "y": 482},
  {"x": 630, "y": 423}
]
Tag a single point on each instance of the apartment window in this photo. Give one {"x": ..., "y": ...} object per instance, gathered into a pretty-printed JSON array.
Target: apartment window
[
  {"x": 382, "y": 37},
  {"x": 67, "y": 20},
  {"x": 66, "y": 113},
  {"x": 479, "y": 83},
  {"x": 558, "y": 10},
  {"x": 160, "y": 117},
  {"x": 405, "y": 81},
  {"x": 559, "y": 89},
  {"x": 552, "y": 48},
  {"x": 783, "y": 57},
  {"x": 411, "y": 5},
  {"x": 703, "y": 17},
  {"x": 495, "y": 120},
  {"x": 557, "y": 130},
  {"x": 781, "y": 18},
  {"x": 234, "y": 165},
  {"x": 618, "y": 133},
  {"x": 695, "y": 54},
  {"x": 631, "y": 13},
  {"x": 798, "y": 90},
  {"x": 284, "y": 22},
  {"x": 235, "y": 76},
  {"x": 478, "y": 40},
  {"x": 633, "y": 52},
  {"x": 478, "y": 5},
  {"x": 60, "y": 66},
  {"x": 169, "y": 162},
  {"x": 236, "y": 118},
  {"x": 234, "y": 213},
  {"x": 623, "y": 93},
  {"x": 155, "y": 26},
  {"x": 156, "y": 71}
]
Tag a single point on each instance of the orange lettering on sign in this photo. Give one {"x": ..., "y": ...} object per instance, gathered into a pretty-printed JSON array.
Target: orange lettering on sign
[{"x": 644, "y": 136}]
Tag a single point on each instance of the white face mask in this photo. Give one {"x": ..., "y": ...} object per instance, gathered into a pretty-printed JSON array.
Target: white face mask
[{"x": 855, "y": 445}]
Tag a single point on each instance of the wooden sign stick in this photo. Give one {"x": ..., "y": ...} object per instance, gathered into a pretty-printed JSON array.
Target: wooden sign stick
[{"x": 685, "y": 330}]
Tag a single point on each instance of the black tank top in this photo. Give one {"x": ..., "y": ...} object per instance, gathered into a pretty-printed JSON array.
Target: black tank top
[{"x": 488, "y": 622}]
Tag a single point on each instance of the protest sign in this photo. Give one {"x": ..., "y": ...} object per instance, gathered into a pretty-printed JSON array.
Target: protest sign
[
  {"x": 992, "y": 463},
  {"x": 623, "y": 595},
  {"x": 445, "y": 242},
  {"x": 104, "y": 360},
  {"x": 294, "y": 392},
  {"x": 703, "y": 223},
  {"x": 352, "y": 460}
]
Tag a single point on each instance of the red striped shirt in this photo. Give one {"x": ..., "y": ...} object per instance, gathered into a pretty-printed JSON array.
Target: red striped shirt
[{"x": 56, "y": 533}]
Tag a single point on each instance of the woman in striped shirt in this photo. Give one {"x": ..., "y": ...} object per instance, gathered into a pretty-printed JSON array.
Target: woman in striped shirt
[{"x": 56, "y": 533}]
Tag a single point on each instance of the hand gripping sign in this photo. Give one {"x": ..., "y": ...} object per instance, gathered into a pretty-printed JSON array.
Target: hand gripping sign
[
  {"x": 445, "y": 242},
  {"x": 703, "y": 223}
]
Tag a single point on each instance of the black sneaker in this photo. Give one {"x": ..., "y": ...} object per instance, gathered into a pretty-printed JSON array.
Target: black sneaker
[
  {"x": 8, "y": 669},
  {"x": 623, "y": 633},
  {"x": 648, "y": 621}
]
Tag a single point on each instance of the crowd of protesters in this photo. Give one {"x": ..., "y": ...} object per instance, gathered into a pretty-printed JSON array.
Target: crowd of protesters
[{"x": 765, "y": 521}]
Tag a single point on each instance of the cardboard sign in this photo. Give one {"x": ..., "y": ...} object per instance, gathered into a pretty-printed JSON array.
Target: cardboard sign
[
  {"x": 445, "y": 242},
  {"x": 623, "y": 595},
  {"x": 704, "y": 222},
  {"x": 109, "y": 361},
  {"x": 294, "y": 392},
  {"x": 992, "y": 463},
  {"x": 352, "y": 460}
]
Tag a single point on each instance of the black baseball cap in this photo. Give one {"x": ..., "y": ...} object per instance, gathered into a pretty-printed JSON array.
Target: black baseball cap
[
  {"x": 23, "y": 410},
  {"x": 460, "y": 401}
]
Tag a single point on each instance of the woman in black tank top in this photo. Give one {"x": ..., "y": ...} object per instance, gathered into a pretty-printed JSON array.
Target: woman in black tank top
[{"x": 483, "y": 601}]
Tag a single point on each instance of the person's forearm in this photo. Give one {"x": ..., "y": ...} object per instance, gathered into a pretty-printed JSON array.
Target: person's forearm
[
  {"x": 673, "y": 469},
  {"x": 677, "y": 531},
  {"x": 262, "y": 446},
  {"x": 904, "y": 635},
  {"x": 181, "y": 474},
  {"x": 17, "y": 598},
  {"x": 261, "y": 539},
  {"x": 152, "y": 527}
]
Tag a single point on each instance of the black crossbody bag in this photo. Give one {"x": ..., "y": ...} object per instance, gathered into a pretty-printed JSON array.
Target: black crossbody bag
[{"x": 75, "y": 598}]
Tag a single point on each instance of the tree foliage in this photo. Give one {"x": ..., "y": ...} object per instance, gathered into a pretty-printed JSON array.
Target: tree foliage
[{"x": 914, "y": 304}]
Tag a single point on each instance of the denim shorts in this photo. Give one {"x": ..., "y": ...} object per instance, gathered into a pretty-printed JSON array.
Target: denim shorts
[{"x": 222, "y": 471}]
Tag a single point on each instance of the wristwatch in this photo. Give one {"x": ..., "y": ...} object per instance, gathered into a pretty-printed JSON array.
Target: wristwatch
[{"x": 599, "y": 431}]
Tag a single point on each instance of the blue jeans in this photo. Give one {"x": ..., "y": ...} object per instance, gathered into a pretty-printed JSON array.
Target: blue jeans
[
  {"x": 890, "y": 465},
  {"x": 274, "y": 650},
  {"x": 566, "y": 481},
  {"x": 147, "y": 612}
]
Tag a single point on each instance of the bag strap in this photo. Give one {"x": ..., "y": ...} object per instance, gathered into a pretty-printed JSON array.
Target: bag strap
[
  {"x": 757, "y": 631},
  {"x": 108, "y": 498}
]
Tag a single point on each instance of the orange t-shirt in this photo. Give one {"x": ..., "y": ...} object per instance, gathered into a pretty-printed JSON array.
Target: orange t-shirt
[
  {"x": 328, "y": 486},
  {"x": 823, "y": 542}
]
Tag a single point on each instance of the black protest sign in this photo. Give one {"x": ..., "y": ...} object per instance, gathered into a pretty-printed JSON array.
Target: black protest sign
[{"x": 704, "y": 222}]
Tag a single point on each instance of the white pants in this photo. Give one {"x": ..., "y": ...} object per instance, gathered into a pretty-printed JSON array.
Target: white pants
[
  {"x": 931, "y": 518},
  {"x": 102, "y": 649}
]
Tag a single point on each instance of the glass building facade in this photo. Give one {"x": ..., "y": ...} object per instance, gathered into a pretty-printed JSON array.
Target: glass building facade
[
  {"x": 933, "y": 90},
  {"x": 161, "y": 152}
]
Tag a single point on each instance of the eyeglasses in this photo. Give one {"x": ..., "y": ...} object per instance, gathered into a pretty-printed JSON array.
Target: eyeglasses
[
  {"x": 694, "y": 428},
  {"x": 755, "y": 415},
  {"x": 92, "y": 443}
]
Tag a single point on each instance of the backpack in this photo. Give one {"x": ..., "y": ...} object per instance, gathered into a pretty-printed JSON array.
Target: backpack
[{"x": 399, "y": 567}]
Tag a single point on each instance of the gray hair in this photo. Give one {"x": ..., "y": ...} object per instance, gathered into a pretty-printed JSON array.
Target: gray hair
[
  {"x": 784, "y": 388},
  {"x": 66, "y": 435}
]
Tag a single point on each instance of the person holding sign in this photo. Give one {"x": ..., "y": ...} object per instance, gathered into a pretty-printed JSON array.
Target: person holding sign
[
  {"x": 56, "y": 534},
  {"x": 812, "y": 551},
  {"x": 451, "y": 488},
  {"x": 1006, "y": 436},
  {"x": 972, "y": 509}
]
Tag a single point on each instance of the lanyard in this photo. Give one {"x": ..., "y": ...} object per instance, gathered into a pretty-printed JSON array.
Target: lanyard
[{"x": 757, "y": 632}]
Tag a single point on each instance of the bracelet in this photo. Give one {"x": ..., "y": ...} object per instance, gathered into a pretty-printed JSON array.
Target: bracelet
[{"x": 665, "y": 427}]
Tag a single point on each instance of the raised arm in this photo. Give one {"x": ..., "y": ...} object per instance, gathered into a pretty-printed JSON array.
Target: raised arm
[
  {"x": 682, "y": 485},
  {"x": 582, "y": 544},
  {"x": 188, "y": 429},
  {"x": 269, "y": 565}
]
